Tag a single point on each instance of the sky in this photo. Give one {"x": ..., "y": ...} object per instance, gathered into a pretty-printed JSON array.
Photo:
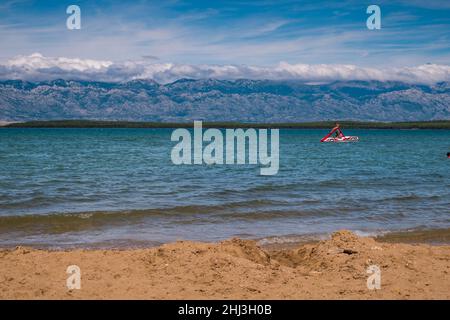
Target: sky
[{"x": 164, "y": 40}]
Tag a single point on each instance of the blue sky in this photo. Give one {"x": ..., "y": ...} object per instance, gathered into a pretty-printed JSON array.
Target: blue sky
[{"x": 231, "y": 32}]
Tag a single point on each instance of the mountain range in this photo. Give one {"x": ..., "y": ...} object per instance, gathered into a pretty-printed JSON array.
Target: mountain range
[{"x": 243, "y": 100}]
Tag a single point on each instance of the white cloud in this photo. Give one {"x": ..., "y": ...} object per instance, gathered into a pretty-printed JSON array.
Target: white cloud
[
  {"x": 37, "y": 67},
  {"x": 37, "y": 61}
]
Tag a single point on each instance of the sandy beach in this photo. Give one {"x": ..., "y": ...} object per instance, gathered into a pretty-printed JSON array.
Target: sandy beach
[{"x": 233, "y": 269}]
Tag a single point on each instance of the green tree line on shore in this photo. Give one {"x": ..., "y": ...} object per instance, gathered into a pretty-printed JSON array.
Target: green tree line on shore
[{"x": 438, "y": 124}]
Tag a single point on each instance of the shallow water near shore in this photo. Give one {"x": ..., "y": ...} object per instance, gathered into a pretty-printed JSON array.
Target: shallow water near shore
[{"x": 118, "y": 188}]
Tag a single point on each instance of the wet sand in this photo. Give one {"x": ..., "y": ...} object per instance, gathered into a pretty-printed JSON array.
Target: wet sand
[{"x": 234, "y": 269}]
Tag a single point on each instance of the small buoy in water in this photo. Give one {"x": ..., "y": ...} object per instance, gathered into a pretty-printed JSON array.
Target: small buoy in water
[{"x": 448, "y": 155}]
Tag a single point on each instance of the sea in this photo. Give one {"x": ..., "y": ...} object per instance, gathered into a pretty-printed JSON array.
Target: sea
[{"x": 117, "y": 187}]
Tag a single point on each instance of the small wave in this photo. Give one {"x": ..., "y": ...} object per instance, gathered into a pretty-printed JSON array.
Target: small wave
[
  {"x": 418, "y": 235},
  {"x": 412, "y": 197},
  {"x": 312, "y": 237},
  {"x": 414, "y": 235},
  {"x": 273, "y": 214},
  {"x": 399, "y": 198},
  {"x": 71, "y": 221}
]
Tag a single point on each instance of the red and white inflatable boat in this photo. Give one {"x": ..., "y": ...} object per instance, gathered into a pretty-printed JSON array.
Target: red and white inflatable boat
[{"x": 340, "y": 138}]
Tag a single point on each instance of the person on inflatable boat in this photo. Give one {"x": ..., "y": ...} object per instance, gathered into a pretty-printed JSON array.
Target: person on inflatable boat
[{"x": 338, "y": 132}]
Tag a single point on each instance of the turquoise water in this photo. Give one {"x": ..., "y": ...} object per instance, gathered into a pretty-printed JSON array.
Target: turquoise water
[{"x": 118, "y": 187}]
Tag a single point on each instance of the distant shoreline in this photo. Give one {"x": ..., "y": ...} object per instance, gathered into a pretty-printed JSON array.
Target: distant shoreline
[{"x": 438, "y": 124}]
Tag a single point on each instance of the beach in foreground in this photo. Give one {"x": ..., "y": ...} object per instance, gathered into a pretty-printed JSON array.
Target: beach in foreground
[{"x": 234, "y": 269}]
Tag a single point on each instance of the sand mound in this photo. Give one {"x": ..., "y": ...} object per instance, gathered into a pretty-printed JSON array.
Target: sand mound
[
  {"x": 343, "y": 247},
  {"x": 194, "y": 252},
  {"x": 232, "y": 269},
  {"x": 245, "y": 249}
]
